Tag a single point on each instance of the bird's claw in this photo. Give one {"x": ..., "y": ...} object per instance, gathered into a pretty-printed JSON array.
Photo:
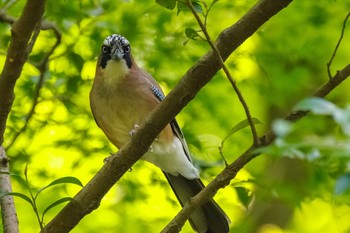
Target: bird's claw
[
  {"x": 133, "y": 131},
  {"x": 106, "y": 160}
]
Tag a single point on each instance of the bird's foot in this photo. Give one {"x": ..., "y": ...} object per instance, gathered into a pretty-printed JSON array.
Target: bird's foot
[
  {"x": 133, "y": 131},
  {"x": 108, "y": 158}
]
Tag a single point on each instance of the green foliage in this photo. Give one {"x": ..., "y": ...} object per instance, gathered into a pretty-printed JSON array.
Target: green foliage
[
  {"x": 322, "y": 107},
  {"x": 243, "y": 196},
  {"x": 169, "y": 4},
  {"x": 305, "y": 172},
  {"x": 241, "y": 125},
  {"x": 32, "y": 198},
  {"x": 326, "y": 144},
  {"x": 322, "y": 142}
]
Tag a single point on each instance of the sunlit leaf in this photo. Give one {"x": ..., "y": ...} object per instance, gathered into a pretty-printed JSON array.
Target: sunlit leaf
[
  {"x": 243, "y": 196},
  {"x": 63, "y": 180},
  {"x": 26, "y": 172},
  {"x": 317, "y": 106},
  {"x": 16, "y": 194},
  {"x": 56, "y": 203},
  {"x": 323, "y": 107},
  {"x": 19, "y": 179},
  {"x": 239, "y": 126}
]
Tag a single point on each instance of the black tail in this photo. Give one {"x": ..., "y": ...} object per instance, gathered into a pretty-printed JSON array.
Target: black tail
[{"x": 209, "y": 218}]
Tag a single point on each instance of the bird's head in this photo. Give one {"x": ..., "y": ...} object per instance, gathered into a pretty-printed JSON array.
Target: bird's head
[{"x": 115, "y": 47}]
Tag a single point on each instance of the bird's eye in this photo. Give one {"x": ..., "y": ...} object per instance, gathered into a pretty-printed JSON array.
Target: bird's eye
[
  {"x": 105, "y": 49},
  {"x": 127, "y": 49}
]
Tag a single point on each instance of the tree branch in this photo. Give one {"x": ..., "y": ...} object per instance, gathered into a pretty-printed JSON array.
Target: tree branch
[
  {"x": 9, "y": 216},
  {"x": 196, "y": 77},
  {"x": 21, "y": 34},
  {"x": 22, "y": 40},
  {"x": 42, "y": 67},
  {"x": 6, "y": 18}
]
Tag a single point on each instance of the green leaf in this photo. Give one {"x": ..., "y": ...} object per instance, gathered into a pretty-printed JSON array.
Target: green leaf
[
  {"x": 56, "y": 203},
  {"x": 243, "y": 196},
  {"x": 77, "y": 60},
  {"x": 281, "y": 127},
  {"x": 191, "y": 33},
  {"x": 343, "y": 120},
  {"x": 239, "y": 126},
  {"x": 63, "y": 180},
  {"x": 26, "y": 172},
  {"x": 21, "y": 195},
  {"x": 181, "y": 6},
  {"x": 317, "y": 106},
  {"x": 321, "y": 106},
  {"x": 169, "y": 4},
  {"x": 343, "y": 184},
  {"x": 19, "y": 179},
  {"x": 197, "y": 7}
]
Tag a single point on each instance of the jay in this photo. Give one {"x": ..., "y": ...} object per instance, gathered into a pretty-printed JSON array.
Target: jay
[{"x": 122, "y": 95}]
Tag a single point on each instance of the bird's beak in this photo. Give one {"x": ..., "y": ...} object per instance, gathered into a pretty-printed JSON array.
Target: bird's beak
[{"x": 118, "y": 54}]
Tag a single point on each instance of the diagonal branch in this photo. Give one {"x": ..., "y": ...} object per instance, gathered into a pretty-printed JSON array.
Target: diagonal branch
[{"x": 196, "y": 77}]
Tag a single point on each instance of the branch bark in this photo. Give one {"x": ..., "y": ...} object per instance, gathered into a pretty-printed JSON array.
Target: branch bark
[
  {"x": 9, "y": 215},
  {"x": 196, "y": 77}
]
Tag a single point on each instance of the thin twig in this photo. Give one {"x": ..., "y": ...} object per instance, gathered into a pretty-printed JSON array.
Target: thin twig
[
  {"x": 35, "y": 35},
  {"x": 228, "y": 74},
  {"x": 6, "y": 18},
  {"x": 337, "y": 46},
  {"x": 207, "y": 12},
  {"x": 9, "y": 4}
]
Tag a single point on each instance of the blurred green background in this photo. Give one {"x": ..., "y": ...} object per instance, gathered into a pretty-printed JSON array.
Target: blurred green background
[{"x": 283, "y": 190}]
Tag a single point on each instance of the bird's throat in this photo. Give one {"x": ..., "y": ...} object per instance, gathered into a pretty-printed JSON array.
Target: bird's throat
[{"x": 115, "y": 71}]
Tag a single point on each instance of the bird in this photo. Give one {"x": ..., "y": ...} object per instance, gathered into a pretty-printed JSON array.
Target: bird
[{"x": 121, "y": 97}]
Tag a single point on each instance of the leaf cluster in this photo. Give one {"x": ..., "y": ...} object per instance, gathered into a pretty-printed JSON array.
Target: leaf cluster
[{"x": 32, "y": 198}]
